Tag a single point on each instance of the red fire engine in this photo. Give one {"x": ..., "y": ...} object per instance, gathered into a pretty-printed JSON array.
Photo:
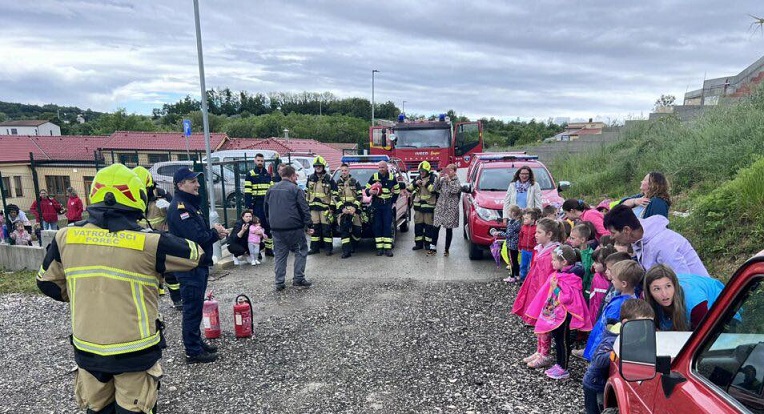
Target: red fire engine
[{"x": 439, "y": 142}]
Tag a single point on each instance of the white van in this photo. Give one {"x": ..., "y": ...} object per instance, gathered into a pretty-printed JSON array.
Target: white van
[{"x": 248, "y": 155}]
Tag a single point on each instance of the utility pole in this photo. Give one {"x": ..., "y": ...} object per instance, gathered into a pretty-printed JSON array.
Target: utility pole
[{"x": 372, "y": 95}]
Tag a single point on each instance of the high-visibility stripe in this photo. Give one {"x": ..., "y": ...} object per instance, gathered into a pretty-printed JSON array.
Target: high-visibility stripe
[
  {"x": 328, "y": 240},
  {"x": 173, "y": 286},
  {"x": 140, "y": 308},
  {"x": 116, "y": 349},
  {"x": 111, "y": 273},
  {"x": 40, "y": 272},
  {"x": 71, "y": 284},
  {"x": 194, "y": 252},
  {"x": 346, "y": 240}
]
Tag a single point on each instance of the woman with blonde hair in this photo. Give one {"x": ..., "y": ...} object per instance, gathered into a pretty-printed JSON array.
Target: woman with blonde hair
[{"x": 653, "y": 197}]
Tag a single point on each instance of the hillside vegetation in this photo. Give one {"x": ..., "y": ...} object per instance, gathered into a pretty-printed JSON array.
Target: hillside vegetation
[{"x": 715, "y": 168}]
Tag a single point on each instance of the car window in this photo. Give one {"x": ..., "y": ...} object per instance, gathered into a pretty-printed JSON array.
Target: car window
[
  {"x": 498, "y": 179},
  {"x": 733, "y": 356},
  {"x": 169, "y": 170}
]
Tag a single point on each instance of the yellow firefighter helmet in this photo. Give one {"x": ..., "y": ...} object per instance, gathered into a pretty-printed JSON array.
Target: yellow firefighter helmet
[
  {"x": 424, "y": 166},
  {"x": 116, "y": 185}
]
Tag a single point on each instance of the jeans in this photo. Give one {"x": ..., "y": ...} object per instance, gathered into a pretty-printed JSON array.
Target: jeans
[
  {"x": 193, "y": 284},
  {"x": 525, "y": 262},
  {"x": 591, "y": 405},
  {"x": 49, "y": 225},
  {"x": 285, "y": 242}
]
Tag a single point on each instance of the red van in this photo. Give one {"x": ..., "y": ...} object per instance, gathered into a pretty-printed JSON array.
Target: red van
[{"x": 718, "y": 368}]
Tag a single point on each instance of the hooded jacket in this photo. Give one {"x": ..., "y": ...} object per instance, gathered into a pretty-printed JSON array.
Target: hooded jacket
[
  {"x": 566, "y": 299},
  {"x": 659, "y": 245},
  {"x": 598, "y": 371}
]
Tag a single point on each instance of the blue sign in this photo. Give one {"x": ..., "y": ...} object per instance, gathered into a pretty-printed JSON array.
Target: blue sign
[{"x": 187, "y": 127}]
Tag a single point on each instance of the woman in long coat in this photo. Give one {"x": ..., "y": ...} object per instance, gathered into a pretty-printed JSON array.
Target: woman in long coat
[{"x": 447, "y": 207}]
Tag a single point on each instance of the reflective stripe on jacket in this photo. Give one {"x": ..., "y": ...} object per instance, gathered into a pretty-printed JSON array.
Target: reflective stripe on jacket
[{"x": 425, "y": 197}]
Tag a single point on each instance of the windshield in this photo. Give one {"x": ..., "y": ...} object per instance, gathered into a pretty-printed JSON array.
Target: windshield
[
  {"x": 362, "y": 175},
  {"x": 498, "y": 179},
  {"x": 423, "y": 138}
]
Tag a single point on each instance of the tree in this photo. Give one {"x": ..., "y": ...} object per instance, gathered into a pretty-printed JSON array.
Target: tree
[{"x": 665, "y": 101}]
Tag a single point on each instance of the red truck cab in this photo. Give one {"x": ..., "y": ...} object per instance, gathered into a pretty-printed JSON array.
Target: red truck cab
[
  {"x": 718, "y": 368},
  {"x": 488, "y": 178}
]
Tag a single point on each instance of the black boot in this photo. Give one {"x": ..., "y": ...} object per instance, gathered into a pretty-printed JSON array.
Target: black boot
[
  {"x": 418, "y": 246},
  {"x": 314, "y": 248},
  {"x": 380, "y": 252}
]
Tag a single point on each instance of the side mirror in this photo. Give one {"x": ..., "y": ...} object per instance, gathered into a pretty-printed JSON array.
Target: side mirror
[
  {"x": 563, "y": 185},
  {"x": 467, "y": 188},
  {"x": 215, "y": 178},
  {"x": 637, "y": 350}
]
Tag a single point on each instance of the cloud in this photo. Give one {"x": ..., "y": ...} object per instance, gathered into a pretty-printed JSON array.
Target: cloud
[{"x": 500, "y": 59}]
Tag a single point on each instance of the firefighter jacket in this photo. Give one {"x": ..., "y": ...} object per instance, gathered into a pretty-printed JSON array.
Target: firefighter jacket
[
  {"x": 156, "y": 215},
  {"x": 349, "y": 193},
  {"x": 321, "y": 190},
  {"x": 257, "y": 184},
  {"x": 109, "y": 270},
  {"x": 185, "y": 219},
  {"x": 390, "y": 188},
  {"x": 425, "y": 196}
]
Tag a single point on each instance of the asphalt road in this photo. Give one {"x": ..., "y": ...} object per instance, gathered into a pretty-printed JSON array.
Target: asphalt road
[{"x": 410, "y": 333}]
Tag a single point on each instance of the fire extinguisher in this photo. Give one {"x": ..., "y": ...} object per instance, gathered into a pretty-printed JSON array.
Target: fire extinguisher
[
  {"x": 211, "y": 317},
  {"x": 243, "y": 321}
]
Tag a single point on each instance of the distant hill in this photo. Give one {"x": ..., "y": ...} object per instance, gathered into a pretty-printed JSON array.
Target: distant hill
[{"x": 55, "y": 113}]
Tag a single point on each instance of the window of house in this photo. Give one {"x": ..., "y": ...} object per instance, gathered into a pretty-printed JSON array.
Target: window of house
[
  {"x": 57, "y": 184},
  {"x": 88, "y": 182},
  {"x": 17, "y": 185},
  {"x": 7, "y": 186},
  {"x": 14, "y": 131},
  {"x": 129, "y": 159},
  {"x": 155, "y": 158},
  {"x": 183, "y": 157}
]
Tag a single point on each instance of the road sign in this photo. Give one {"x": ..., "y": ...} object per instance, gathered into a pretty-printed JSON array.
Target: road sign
[{"x": 187, "y": 127}]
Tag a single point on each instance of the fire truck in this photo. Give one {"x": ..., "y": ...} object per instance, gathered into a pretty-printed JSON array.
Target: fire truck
[{"x": 439, "y": 142}]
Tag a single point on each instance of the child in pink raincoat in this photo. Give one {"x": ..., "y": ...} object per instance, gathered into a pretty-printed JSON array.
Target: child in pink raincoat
[
  {"x": 600, "y": 281},
  {"x": 559, "y": 307}
]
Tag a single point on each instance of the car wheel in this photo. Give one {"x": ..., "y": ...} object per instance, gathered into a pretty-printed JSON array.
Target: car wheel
[
  {"x": 476, "y": 252},
  {"x": 230, "y": 201},
  {"x": 405, "y": 225}
]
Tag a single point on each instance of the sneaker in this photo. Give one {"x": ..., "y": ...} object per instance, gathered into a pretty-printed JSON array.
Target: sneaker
[
  {"x": 257, "y": 262},
  {"x": 556, "y": 372},
  {"x": 302, "y": 283},
  {"x": 207, "y": 347},
  {"x": 236, "y": 261},
  {"x": 202, "y": 358},
  {"x": 509, "y": 279},
  {"x": 531, "y": 357},
  {"x": 541, "y": 362},
  {"x": 578, "y": 353},
  {"x": 280, "y": 287}
]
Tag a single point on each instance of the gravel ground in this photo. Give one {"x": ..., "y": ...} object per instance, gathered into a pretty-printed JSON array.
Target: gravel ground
[{"x": 392, "y": 345}]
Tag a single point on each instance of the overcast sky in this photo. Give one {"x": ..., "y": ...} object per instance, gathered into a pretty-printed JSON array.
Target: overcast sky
[{"x": 503, "y": 59}]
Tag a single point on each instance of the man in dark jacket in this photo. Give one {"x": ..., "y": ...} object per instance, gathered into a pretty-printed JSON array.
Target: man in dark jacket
[
  {"x": 185, "y": 219},
  {"x": 287, "y": 211}
]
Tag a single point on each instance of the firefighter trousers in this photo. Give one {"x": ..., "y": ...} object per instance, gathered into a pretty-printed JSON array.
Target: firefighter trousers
[
  {"x": 134, "y": 392},
  {"x": 322, "y": 230},
  {"x": 423, "y": 228},
  {"x": 258, "y": 209},
  {"x": 382, "y": 225},
  {"x": 173, "y": 286},
  {"x": 350, "y": 231}
]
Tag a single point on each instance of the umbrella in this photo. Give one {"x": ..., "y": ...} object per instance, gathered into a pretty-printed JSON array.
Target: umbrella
[{"x": 496, "y": 251}]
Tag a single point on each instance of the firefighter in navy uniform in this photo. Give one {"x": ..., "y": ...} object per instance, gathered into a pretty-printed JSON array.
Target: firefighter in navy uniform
[
  {"x": 185, "y": 219},
  {"x": 349, "y": 195},
  {"x": 109, "y": 269},
  {"x": 156, "y": 219},
  {"x": 425, "y": 198},
  {"x": 256, "y": 185},
  {"x": 382, "y": 207},
  {"x": 321, "y": 191}
]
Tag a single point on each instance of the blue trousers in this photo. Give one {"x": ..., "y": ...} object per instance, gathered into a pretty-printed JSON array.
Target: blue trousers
[
  {"x": 381, "y": 225},
  {"x": 525, "y": 262},
  {"x": 193, "y": 284}
]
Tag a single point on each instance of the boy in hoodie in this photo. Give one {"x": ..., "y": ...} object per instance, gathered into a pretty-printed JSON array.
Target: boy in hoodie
[
  {"x": 597, "y": 373},
  {"x": 653, "y": 242}
]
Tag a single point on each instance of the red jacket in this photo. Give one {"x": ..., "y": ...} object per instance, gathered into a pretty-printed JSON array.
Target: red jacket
[
  {"x": 74, "y": 209},
  {"x": 527, "y": 239},
  {"x": 50, "y": 209}
]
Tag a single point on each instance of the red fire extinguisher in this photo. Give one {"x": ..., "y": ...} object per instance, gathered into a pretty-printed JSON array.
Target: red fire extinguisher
[
  {"x": 211, "y": 317},
  {"x": 243, "y": 321}
]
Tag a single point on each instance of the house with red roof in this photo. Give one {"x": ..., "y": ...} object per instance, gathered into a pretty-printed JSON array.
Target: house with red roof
[
  {"x": 284, "y": 146},
  {"x": 147, "y": 148}
]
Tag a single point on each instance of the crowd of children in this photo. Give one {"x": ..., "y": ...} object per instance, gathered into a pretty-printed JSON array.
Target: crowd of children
[{"x": 578, "y": 285}]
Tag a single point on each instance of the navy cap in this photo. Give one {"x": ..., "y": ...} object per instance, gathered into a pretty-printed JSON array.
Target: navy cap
[{"x": 184, "y": 174}]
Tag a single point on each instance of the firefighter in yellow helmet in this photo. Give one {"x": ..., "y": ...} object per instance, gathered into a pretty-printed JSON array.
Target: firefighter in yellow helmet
[
  {"x": 156, "y": 219},
  {"x": 321, "y": 192},
  {"x": 425, "y": 198},
  {"x": 108, "y": 268}
]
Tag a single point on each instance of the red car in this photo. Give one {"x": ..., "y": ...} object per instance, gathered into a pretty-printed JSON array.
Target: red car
[
  {"x": 718, "y": 368},
  {"x": 487, "y": 181}
]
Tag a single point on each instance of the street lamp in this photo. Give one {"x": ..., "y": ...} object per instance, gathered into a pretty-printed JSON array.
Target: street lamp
[
  {"x": 404, "y": 107},
  {"x": 372, "y": 95}
]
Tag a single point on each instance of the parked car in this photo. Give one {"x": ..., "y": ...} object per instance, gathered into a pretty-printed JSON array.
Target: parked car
[
  {"x": 362, "y": 167},
  {"x": 487, "y": 181},
  {"x": 303, "y": 159},
  {"x": 717, "y": 368},
  {"x": 164, "y": 171}
]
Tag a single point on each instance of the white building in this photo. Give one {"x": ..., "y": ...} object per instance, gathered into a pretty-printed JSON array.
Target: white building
[{"x": 29, "y": 127}]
